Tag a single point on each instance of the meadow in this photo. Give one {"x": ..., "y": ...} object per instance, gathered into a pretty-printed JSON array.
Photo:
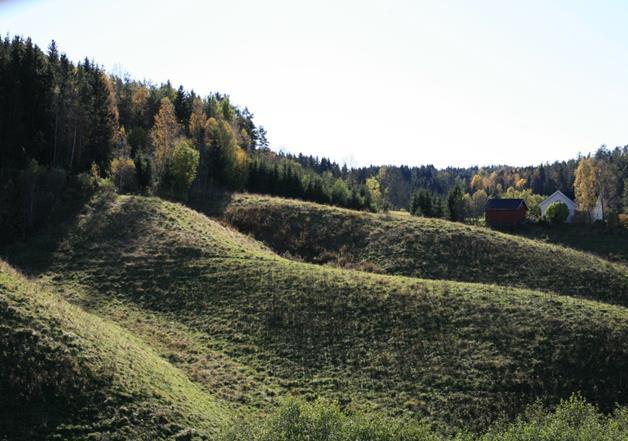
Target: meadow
[{"x": 247, "y": 328}]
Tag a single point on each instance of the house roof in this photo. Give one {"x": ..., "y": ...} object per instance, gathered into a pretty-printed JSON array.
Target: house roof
[
  {"x": 556, "y": 197},
  {"x": 505, "y": 204}
]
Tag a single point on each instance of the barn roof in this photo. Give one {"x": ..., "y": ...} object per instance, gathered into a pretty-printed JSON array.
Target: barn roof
[{"x": 505, "y": 204}]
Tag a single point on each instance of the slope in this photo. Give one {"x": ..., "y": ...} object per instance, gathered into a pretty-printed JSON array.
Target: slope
[
  {"x": 66, "y": 374},
  {"x": 608, "y": 242},
  {"x": 211, "y": 300},
  {"x": 420, "y": 247}
]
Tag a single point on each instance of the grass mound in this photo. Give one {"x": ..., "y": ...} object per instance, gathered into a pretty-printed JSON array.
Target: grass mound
[
  {"x": 66, "y": 374},
  {"x": 250, "y": 326},
  {"x": 427, "y": 248}
]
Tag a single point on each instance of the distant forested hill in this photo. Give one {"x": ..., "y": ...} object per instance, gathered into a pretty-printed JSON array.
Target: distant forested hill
[{"x": 62, "y": 121}]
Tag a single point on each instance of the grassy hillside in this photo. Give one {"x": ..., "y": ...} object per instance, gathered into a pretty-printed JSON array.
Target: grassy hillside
[
  {"x": 250, "y": 326},
  {"x": 609, "y": 243},
  {"x": 420, "y": 247},
  {"x": 66, "y": 374}
]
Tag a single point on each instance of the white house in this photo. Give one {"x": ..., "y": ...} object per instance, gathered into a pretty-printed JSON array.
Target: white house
[
  {"x": 559, "y": 196},
  {"x": 596, "y": 213}
]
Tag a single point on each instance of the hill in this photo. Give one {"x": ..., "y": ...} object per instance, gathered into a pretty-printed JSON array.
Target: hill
[
  {"x": 249, "y": 326},
  {"x": 397, "y": 243},
  {"x": 601, "y": 240},
  {"x": 67, "y": 374}
]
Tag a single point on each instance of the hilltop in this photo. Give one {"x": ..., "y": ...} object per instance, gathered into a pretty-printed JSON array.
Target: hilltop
[
  {"x": 250, "y": 327},
  {"x": 67, "y": 374},
  {"x": 396, "y": 243}
]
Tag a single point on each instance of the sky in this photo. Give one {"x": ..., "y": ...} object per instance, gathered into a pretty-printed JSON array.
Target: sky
[{"x": 449, "y": 83}]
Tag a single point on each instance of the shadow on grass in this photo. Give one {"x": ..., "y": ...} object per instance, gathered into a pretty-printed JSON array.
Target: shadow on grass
[
  {"x": 33, "y": 254},
  {"x": 608, "y": 242},
  {"x": 212, "y": 202}
]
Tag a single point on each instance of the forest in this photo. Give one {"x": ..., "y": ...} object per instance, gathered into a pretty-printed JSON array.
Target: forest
[{"x": 61, "y": 121}]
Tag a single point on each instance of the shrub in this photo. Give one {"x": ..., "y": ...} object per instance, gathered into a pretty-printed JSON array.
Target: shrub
[
  {"x": 340, "y": 193},
  {"x": 557, "y": 213},
  {"x": 183, "y": 169},
  {"x": 612, "y": 218},
  {"x": 581, "y": 217},
  {"x": 573, "y": 419},
  {"x": 295, "y": 420},
  {"x": 123, "y": 174}
]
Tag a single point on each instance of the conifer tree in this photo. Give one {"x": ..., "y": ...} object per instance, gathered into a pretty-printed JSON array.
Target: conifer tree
[{"x": 455, "y": 204}]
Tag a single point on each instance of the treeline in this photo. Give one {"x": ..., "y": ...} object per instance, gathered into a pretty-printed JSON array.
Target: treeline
[
  {"x": 399, "y": 187},
  {"x": 398, "y": 184},
  {"x": 59, "y": 120},
  {"x": 277, "y": 175}
]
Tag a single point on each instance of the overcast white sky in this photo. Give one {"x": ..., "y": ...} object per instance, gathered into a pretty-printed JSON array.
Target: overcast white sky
[{"x": 374, "y": 82}]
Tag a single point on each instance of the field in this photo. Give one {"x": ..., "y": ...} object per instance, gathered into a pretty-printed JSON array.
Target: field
[{"x": 250, "y": 328}]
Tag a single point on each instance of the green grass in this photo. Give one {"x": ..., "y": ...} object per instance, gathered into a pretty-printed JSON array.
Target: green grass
[
  {"x": 607, "y": 242},
  {"x": 67, "y": 374},
  {"x": 399, "y": 244},
  {"x": 251, "y": 327}
]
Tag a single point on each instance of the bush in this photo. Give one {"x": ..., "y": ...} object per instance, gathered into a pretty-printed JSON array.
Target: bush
[
  {"x": 581, "y": 217},
  {"x": 340, "y": 193},
  {"x": 612, "y": 218},
  {"x": 296, "y": 420},
  {"x": 557, "y": 213},
  {"x": 123, "y": 174},
  {"x": 183, "y": 169},
  {"x": 573, "y": 419}
]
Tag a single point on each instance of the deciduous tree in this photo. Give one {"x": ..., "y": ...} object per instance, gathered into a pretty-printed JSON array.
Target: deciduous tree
[
  {"x": 163, "y": 136},
  {"x": 184, "y": 165}
]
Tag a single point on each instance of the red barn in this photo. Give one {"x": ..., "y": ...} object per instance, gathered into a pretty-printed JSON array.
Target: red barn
[{"x": 505, "y": 212}]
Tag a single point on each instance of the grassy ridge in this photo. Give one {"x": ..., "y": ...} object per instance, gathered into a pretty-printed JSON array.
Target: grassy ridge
[
  {"x": 66, "y": 374},
  {"x": 607, "y": 242},
  {"x": 212, "y": 300},
  {"x": 427, "y": 248}
]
